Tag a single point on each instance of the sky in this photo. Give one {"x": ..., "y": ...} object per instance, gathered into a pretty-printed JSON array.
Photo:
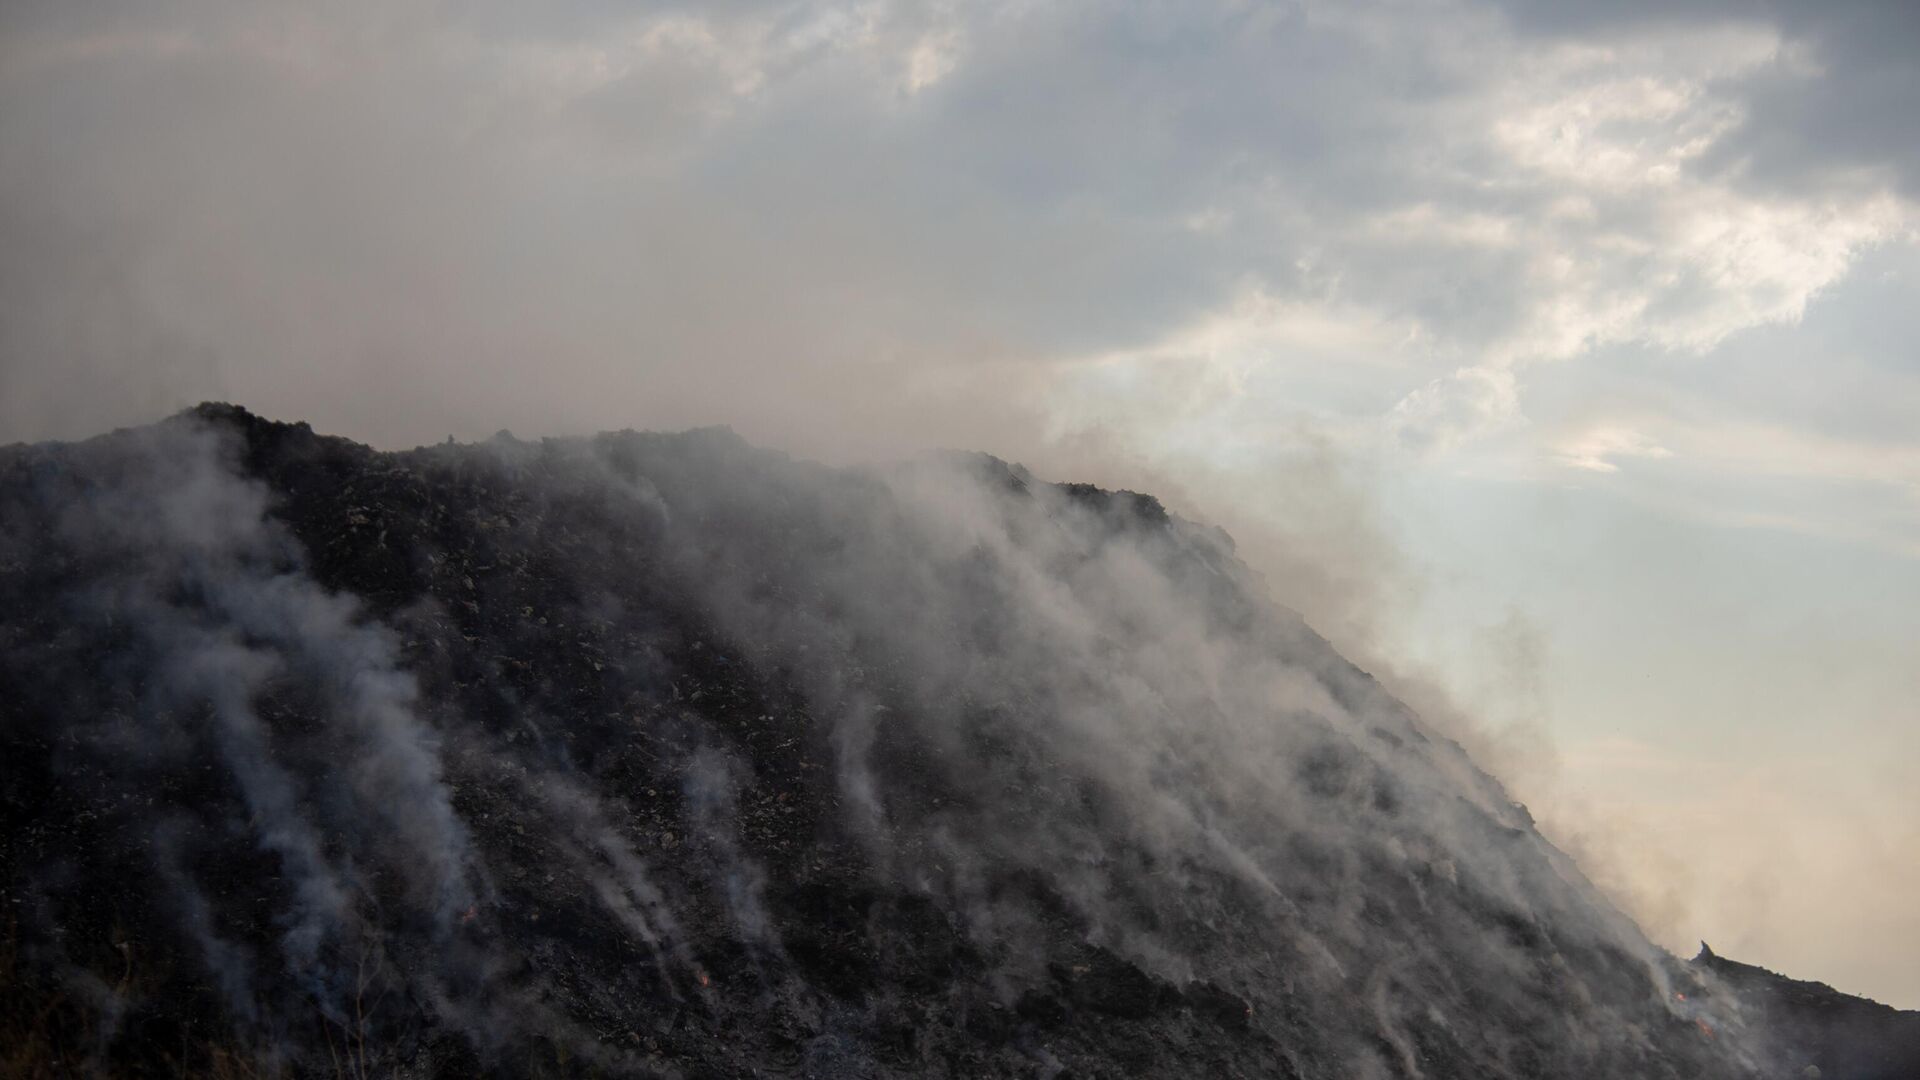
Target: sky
[{"x": 1557, "y": 361}]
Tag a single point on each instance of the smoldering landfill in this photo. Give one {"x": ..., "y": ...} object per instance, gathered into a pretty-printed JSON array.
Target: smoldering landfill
[{"x": 662, "y": 755}]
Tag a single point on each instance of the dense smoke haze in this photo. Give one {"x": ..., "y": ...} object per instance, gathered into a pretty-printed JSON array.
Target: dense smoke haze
[
  {"x": 1554, "y": 367},
  {"x": 1051, "y": 733}
]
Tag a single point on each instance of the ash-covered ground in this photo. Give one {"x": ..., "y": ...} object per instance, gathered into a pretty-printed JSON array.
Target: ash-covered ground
[{"x": 662, "y": 755}]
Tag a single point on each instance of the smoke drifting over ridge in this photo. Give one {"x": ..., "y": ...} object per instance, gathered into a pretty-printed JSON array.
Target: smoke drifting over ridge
[
  {"x": 595, "y": 750},
  {"x": 852, "y": 229}
]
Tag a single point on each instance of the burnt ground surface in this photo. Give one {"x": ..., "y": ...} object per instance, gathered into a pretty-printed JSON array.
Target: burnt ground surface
[
  {"x": 1838, "y": 1034},
  {"x": 629, "y": 756}
]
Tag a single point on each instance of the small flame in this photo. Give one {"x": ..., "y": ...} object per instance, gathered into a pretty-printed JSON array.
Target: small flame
[
  {"x": 704, "y": 981},
  {"x": 472, "y": 913},
  {"x": 1678, "y": 996}
]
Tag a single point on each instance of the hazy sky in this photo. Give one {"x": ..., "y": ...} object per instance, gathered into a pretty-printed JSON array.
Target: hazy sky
[{"x": 1564, "y": 364}]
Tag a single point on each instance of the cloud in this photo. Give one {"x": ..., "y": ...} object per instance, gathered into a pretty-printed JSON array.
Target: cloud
[
  {"x": 1595, "y": 449},
  {"x": 1824, "y": 107},
  {"x": 1450, "y": 410},
  {"x": 662, "y": 215}
]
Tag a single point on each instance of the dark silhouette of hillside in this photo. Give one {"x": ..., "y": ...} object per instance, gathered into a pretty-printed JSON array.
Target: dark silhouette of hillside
[
  {"x": 662, "y": 755},
  {"x": 1838, "y": 1034}
]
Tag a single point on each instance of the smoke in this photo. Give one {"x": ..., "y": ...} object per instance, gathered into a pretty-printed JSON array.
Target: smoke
[
  {"x": 1320, "y": 537},
  {"x": 619, "y": 875},
  {"x": 722, "y": 737},
  {"x": 712, "y": 790},
  {"x": 220, "y": 671},
  {"x": 183, "y": 564},
  {"x": 1093, "y": 694},
  {"x": 229, "y": 962}
]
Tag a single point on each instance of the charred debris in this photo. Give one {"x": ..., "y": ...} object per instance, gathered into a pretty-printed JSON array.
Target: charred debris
[{"x": 663, "y": 755}]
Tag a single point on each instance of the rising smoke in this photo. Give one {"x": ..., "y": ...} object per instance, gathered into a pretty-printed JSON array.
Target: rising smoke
[{"x": 648, "y": 732}]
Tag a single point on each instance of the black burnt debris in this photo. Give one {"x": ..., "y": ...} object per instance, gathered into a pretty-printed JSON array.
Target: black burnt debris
[
  {"x": 1835, "y": 1034},
  {"x": 662, "y": 755}
]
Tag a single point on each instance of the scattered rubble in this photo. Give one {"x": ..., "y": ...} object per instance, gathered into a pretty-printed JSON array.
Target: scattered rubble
[{"x": 752, "y": 768}]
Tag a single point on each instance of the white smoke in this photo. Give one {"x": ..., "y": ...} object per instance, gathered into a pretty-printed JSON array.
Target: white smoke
[{"x": 191, "y": 563}]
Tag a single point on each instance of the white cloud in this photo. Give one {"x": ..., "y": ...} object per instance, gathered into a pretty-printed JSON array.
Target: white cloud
[
  {"x": 1596, "y": 449},
  {"x": 1448, "y": 411},
  {"x": 1213, "y": 380}
]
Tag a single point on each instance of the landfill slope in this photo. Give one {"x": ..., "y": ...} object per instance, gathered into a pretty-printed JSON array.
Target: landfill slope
[{"x": 664, "y": 755}]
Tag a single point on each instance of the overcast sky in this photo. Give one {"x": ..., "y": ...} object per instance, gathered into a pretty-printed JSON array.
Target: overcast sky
[{"x": 1563, "y": 364}]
